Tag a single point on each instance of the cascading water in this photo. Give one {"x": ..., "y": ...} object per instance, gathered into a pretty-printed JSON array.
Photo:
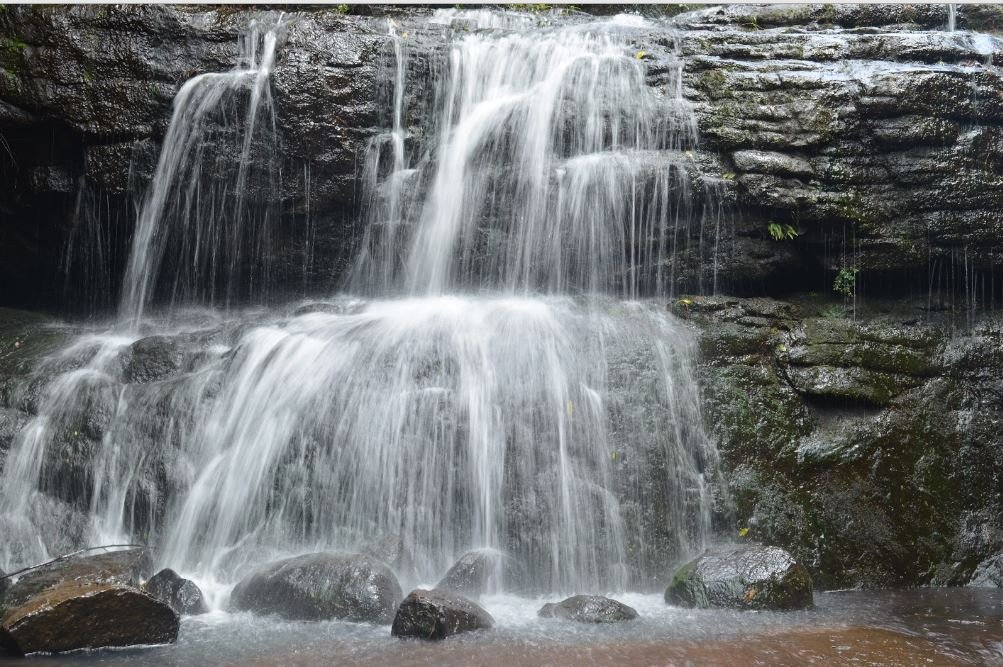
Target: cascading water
[
  {"x": 452, "y": 407},
  {"x": 197, "y": 210}
]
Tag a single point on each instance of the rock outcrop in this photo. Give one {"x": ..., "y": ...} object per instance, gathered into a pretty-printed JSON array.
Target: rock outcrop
[
  {"x": 438, "y": 614},
  {"x": 742, "y": 578},
  {"x": 588, "y": 609},
  {"x": 866, "y": 445},
  {"x": 321, "y": 586},
  {"x": 72, "y": 616}
]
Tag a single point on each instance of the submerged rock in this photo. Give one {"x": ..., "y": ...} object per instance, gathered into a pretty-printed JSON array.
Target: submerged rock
[
  {"x": 182, "y": 595},
  {"x": 743, "y": 578},
  {"x": 438, "y": 614},
  {"x": 71, "y": 616},
  {"x": 321, "y": 586},
  {"x": 124, "y": 568},
  {"x": 588, "y": 609},
  {"x": 472, "y": 573}
]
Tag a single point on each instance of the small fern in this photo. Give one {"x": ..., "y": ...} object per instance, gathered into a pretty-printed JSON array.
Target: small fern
[{"x": 780, "y": 232}]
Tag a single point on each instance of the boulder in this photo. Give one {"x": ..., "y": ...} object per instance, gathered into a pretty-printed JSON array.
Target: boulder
[
  {"x": 180, "y": 594},
  {"x": 151, "y": 359},
  {"x": 124, "y": 568},
  {"x": 438, "y": 614},
  {"x": 72, "y": 616},
  {"x": 321, "y": 586},
  {"x": 472, "y": 574},
  {"x": 588, "y": 609},
  {"x": 742, "y": 578}
]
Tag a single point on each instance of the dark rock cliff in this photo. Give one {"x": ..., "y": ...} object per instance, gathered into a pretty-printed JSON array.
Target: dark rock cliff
[{"x": 870, "y": 130}]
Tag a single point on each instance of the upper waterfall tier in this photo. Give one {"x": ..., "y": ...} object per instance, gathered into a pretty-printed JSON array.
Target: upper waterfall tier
[{"x": 520, "y": 163}]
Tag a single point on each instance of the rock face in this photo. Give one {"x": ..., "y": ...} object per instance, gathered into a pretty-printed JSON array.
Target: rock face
[
  {"x": 874, "y": 126},
  {"x": 588, "y": 609},
  {"x": 321, "y": 586},
  {"x": 743, "y": 578},
  {"x": 864, "y": 444},
  {"x": 180, "y": 594},
  {"x": 472, "y": 574},
  {"x": 125, "y": 568},
  {"x": 72, "y": 616},
  {"x": 438, "y": 614}
]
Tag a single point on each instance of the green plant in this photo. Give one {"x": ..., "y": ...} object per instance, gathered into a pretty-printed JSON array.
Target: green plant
[
  {"x": 532, "y": 8},
  {"x": 833, "y": 311},
  {"x": 845, "y": 283},
  {"x": 780, "y": 232},
  {"x": 341, "y": 9}
]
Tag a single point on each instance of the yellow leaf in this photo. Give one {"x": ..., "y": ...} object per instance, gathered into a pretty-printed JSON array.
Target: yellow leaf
[
  {"x": 404, "y": 36},
  {"x": 728, "y": 176},
  {"x": 569, "y": 407},
  {"x": 613, "y": 456},
  {"x": 743, "y": 532},
  {"x": 639, "y": 55}
]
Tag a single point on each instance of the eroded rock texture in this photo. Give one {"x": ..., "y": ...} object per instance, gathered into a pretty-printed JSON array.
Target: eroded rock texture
[{"x": 869, "y": 446}]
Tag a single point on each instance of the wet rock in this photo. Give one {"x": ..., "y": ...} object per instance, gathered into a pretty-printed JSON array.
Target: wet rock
[
  {"x": 437, "y": 614},
  {"x": 180, "y": 594},
  {"x": 71, "y": 616},
  {"x": 742, "y": 578},
  {"x": 321, "y": 586},
  {"x": 473, "y": 573},
  {"x": 127, "y": 568},
  {"x": 4, "y": 584},
  {"x": 989, "y": 573},
  {"x": 151, "y": 359},
  {"x": 588, "y": 609}
]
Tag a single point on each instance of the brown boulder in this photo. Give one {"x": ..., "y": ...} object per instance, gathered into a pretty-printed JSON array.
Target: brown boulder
[{"x": 71, "y": 616}]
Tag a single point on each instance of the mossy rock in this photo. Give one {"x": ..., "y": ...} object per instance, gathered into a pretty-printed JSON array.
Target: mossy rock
[{"x": 742, "y": 578}]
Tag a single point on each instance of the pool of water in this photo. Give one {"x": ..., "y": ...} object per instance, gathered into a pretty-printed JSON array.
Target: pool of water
[{"x": 915, "y": 627}]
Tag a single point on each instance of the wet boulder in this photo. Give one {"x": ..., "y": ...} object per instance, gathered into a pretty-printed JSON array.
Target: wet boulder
[
  {"x": 71, "y": 616},
  {"x": 588, "y": 609},
  {"x": 124, "y": 568},
  {"x": 438, "y": 614},
  {"x": 151, "y": 359},
  {"x": 321, "y": 586},
  {"x": 742, "y": 578},
  {"x": 473, "y": 573},
  {"x": 180, "y": 594}
]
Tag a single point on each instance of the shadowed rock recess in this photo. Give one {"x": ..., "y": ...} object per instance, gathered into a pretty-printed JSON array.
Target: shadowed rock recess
[{"x": 852, "y": 378}]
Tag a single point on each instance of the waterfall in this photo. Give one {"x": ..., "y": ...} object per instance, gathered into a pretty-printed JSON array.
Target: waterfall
[
  {"x": 490, "y": 379},
  {"x": 553, "y": 166},
  {"x": 193, "y": 209}
]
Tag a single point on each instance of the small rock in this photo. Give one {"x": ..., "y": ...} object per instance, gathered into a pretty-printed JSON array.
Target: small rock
[
  {"x": 438, "y": 614},
  {"x": 180, "y": 594},
  {"x": 71, "y": 616},
  {"x": 742, "y": 578},
  {"x": 471, "y": 575},
  {"x": 588, "y": 609},
  {"x": 321, "y": 586}
]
